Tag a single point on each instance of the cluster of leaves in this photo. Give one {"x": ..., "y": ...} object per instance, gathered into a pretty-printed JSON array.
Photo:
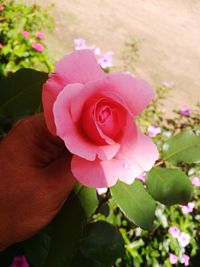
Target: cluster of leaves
[
  {"x": 16, "y": 50},
  {"x": 100, "y": 231}
]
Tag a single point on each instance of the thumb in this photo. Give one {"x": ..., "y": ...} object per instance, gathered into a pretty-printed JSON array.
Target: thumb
[{"x": 59, "y": 177}]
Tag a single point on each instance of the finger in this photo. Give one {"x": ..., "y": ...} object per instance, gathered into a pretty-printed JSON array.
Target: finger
[{"x": 58, "y": 177}]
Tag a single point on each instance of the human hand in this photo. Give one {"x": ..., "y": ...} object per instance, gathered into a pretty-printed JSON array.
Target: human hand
[{"x": 35, "y": 179}]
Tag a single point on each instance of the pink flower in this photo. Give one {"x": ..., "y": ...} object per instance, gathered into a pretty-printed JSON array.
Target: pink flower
[
  {"x": 105, "y": 61},
  {"x": 19, "y": 261},
  {"x": 173, "y": 258},
  {"x": 185, "y": 111},
  {"x": 168, "y": 84},
  {"x": 196, "y": 181},
  {"x": 187, "y": 208},
  {"x": 183, "y": 239},
  {"x": 25, "y": 34},
  {"x": 80, "y": 44},
  {"x": 93, "y": 113},
  {"x": 102, "y": 190},
  {"x": 174, "y": 231},
  {"x": 1, "y": 7},
  {"x": 142, "y": 176},
  {"x": 37, "y": 46},
  {"x": 185, "y": 260},
  {"x": 40, "y": 35},
  {"x": 1, "y": 46},
  {"x": 153, "y": 130}
]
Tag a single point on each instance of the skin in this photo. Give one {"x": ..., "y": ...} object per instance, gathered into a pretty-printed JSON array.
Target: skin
[{"x": 35, "y": 179}]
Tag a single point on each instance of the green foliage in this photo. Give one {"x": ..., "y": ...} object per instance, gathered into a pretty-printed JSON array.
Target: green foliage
[
  {"x": 169, "y": 186},
  {"x": 69, "y": 225},
  {"x": 184, "y": 147},
  {"x": 16, "y": 51},
  {"x": 101, "y": 245},
  {"x": 138, "y": 206},
  {"x": 20, "y": 94}
]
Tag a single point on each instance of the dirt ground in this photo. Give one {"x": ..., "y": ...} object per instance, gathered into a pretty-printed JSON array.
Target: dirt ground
[{"x": 167, "y": 34}]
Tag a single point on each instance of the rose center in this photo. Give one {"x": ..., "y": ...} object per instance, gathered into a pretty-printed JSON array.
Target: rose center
[{"x": 104, "y": 114}]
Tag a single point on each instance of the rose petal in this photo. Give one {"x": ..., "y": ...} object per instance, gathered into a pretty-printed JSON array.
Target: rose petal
[
  {"x": 136, "y": 155},
  {"x": 126, "y": 90},
  {"x": 80, "y": 66},
  {"x": 70, "y": 132},
  {"x": 50, "y": 91}
]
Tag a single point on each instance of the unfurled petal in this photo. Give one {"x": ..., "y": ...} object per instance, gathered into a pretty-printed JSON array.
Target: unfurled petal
[{"x": 72, "y": 134}]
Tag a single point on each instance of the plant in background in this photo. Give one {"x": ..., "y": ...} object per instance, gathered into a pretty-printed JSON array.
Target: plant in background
[{"x": 22, "y": 44}]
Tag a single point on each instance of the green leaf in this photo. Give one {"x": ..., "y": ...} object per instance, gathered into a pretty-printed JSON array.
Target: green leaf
[
  {"x": 183, "y": 147},
  {"x": 36, "y": 248},
  {"x": 169, "y": 186},
  {"x": 69, "y": 226},
  {"x": 20, "y": 93},
  {"x": 135, "y": 202},
  {"x": 102, "y": 243}
]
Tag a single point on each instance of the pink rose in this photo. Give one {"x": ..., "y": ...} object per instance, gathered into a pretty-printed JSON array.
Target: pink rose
[
  {"x": 40, "y": 35},
  {"x": 37, "y": 46},
  {"x": 93, "y": 113}
]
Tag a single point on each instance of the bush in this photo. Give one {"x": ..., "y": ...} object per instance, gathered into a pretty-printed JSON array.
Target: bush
[{"x": 21, "y": 42}]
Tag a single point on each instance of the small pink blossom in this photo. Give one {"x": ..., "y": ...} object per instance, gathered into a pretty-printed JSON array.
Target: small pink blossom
[
  {"x": 25, "y": 34},
  {"x": 142, "y": 176},
  {"x": 174, "y": 231},
  {"x": 196, "y": 181},
  {"x": 153, "y": 130},
  {"x": 80, "y": 44},
  {"x": 105, "y": 61},
  {"x": 37, "y": 46},
  {"x": 184, "y": 239},
  {"x": 173, "y": 258},
  {"x": 187, "y": 208},
  {"x": 95, "y": 50},
  {"x": 185, "y": 260},
  {"x": 1, "y": 8},
  {"x": 185, "y": 111},
  {"x": 1, "y": 46},
  {"x": 40, "y": 35},
  {"x": 20, "y": 261},
  {"x": 168, "y": 84},
  {"x": 102, "y": 190}
]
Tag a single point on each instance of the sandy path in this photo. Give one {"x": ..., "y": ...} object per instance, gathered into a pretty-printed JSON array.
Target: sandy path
[{"x": 167, "y": 33}]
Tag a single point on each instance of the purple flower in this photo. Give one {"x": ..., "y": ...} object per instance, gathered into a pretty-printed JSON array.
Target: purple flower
[
  {"x": 19, "y": 261},
  {"x": 185, "y": 111},
  {"x": 168, "y": 84},
  {"x": 196, "y": 181},
  {"x": 153, "y": 130},
  {"x": 102, "y": 190},
  {"x": 184, "y": 239},
  {"x": 173, "y": 258},
  {"x": 185, "y": 260},
  {"x": 106, "y": 60},
  {"x": 187, "y": 208},
  {"x": 174, "y": 231},
  {"x": 142, "y": 176}
]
